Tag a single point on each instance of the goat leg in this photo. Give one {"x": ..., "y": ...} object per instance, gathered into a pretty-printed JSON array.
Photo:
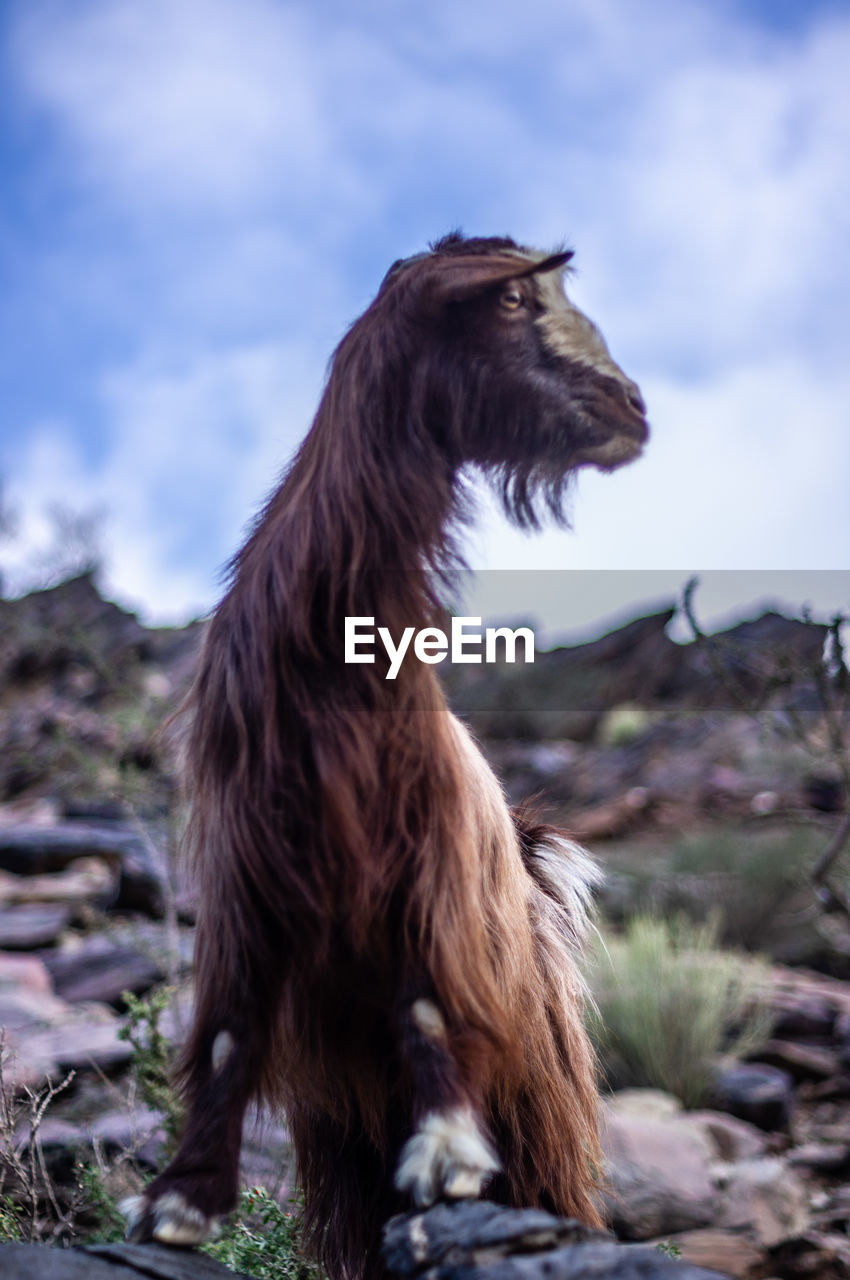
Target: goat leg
[{"x": 449, "y": 1155}]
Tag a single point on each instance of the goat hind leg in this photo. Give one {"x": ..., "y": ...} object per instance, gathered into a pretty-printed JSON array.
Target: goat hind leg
[{"x": 448, "y": 1155}]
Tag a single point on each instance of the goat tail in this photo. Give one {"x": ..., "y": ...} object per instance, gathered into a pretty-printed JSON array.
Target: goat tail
[
  {"x": 542, "y": 1094},
  {"x": 548, "y": 1133}
]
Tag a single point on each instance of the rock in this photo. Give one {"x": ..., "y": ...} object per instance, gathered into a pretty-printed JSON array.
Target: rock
[
  {"x": 659, "y": 1174},
  {"x": 55, "y": 1037},
  {"x": 609, "y": 821},
  {"x": 761, "y": 1095},
  {"x": 764, "y": 1197},
  {"x": 86, "y": 1039},
  {"x": 823, "y": 1090},
  {"x": 801, "y": 1061},
  {"x": 842, "y": 1037},
  {"x": 807, "y": 1001},
  {"x": 98, "y": 969},
  {"x": 136, "y": 1133},
  {"x": 22, "y": 1010},
  {"x": 89, "y": 880},
  {"x": 54, "y": 1134},
  {"x": 822, "y": 1157},
  {"x": 472, "y": 1227},
  {"x": 647, "y": 1104},
  {"x": 139, "y": 1132},
  {"x": 732, "y": 1139},
  {"x": 160, "y": 1261},
  {"x": 797, "y": 1016},
  {"x": 30, "y": 849},
  {"x": 24, "y": 973},
  {"x": 107, "y": 1262},
  {"x": 29, "y": 927},
  {"x": 476, "y": 1240},
  {"x": 725, "y": 1251},
  {"x": 813, "y": 1255},
  {"x": 41, "y": 811}
]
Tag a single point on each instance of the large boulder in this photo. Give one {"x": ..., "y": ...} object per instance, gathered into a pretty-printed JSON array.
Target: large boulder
[{"x": 658, "y": 1169}]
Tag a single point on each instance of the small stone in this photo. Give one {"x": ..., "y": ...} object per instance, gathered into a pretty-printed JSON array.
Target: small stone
[
  {"x": 28, "y": 927},
  {"x": 29, "y": 849},
  {"x": 760, "y": 1094},
  {"x": 89, "y": 880},
  {"x": 823, "y": 1157},
  {"x": 85, "y": 1039},
  {"x": 100, "y": 970},
  {"x": 21, "y": 1010},
  {"x": 733, "y": 1139},
  {"x": 649, "y": 1104},
  {"x": 54, "y": 1134},
  {"x": 764, "y": 1197},
  {"x": 726, "y": 1251},
  {"x": 24, "y": 973},
  {"x": 813, "y": 1255},
  {"x": 801, "y": 1061}
]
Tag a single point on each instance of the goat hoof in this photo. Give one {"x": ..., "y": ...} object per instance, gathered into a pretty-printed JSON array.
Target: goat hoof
[
  {"x": 167, "y": 1219},
  {"x": 447, "y": 1158}
]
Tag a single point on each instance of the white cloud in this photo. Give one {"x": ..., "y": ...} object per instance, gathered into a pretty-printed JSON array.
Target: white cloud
[
  {"x": 193, "y": 450},
  {"x": 278, "y": 157},
  {"x": 202, "y": 100}
]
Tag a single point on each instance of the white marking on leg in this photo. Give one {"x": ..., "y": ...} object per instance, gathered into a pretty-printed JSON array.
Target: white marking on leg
[
  {"x": 429, "y": 1020},
  {"x": 448, "y": 1157},
  {"x": 222, "y": 1048}
]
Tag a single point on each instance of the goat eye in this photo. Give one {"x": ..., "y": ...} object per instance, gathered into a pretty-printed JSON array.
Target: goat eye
[{"x": 511, "y": 299}]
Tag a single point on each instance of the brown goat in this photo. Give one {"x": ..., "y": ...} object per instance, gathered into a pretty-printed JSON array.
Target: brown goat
[{"x": 383, "y": 948}]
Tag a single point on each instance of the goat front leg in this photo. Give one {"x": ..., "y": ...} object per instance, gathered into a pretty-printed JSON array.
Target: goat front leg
[
  {"x": 222, "y": 1070},
  {"x": 449, "y": 1155},
  {"x": 185, "y": 1203}
]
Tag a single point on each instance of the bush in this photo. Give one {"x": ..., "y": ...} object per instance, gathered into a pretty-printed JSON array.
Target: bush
[
  {"x": 265, "y": 1240},
  {"x": 668, "y": 1002}
]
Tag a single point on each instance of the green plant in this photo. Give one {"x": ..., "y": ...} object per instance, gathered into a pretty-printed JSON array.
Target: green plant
[
  {"x": 761, "y": 857},
  {"x": 96, "y": 1202},
  {"x": 669, "y": 1249},
  {"x": 153, "y": 1056},
  {"x": 622, "y": 724},
  {"x": 668, "y": 1001},
  {"x": 264, "y": 1240},
  {"x": 10, "y": 1227}
]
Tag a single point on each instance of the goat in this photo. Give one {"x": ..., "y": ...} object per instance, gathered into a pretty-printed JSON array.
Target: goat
[{"x": 383, "y": 948}]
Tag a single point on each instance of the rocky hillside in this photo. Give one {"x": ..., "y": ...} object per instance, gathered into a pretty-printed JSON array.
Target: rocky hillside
[
  {"x": 84, "y": 689},
  {"x": 702, "y": 778}
]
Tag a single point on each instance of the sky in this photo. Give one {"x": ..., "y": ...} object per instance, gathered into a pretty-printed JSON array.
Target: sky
[{"x": 199, "y": 198}]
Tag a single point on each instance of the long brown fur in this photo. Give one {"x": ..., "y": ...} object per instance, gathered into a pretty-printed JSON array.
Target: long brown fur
[{"x": 353, "y": 850}]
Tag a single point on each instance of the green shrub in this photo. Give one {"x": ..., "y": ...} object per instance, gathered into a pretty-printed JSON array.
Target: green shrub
[
  {"x": 669, "y": 1002},
  {"x": 623, "y": 724},
  {"x": 153, "y": 1058},
  {"x": 264, "y": 1240}
]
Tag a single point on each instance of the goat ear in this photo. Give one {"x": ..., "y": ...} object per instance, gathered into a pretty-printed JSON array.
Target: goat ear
[{"x": 462, "y": 277}]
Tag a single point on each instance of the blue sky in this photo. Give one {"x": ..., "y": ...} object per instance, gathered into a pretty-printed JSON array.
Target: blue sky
[{"x": 199, "y": 197}]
